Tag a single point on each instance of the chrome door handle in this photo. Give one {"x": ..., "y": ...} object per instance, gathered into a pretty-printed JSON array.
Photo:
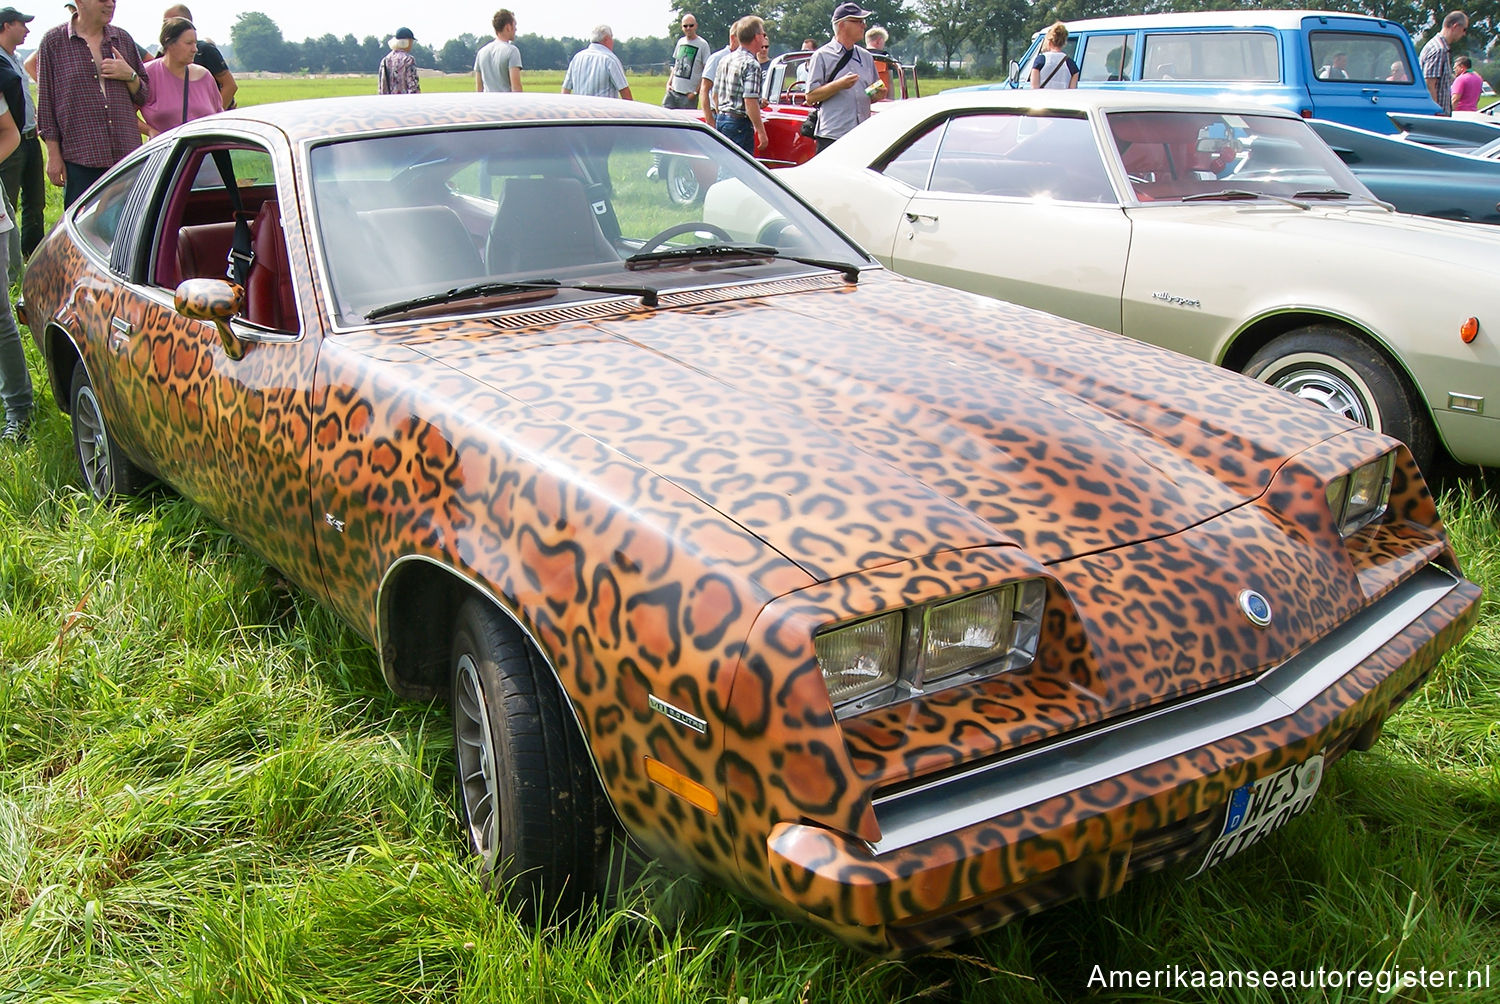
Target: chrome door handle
[
  {"x": 120, "y": 331},
  {"x": 914, "y": 217}
]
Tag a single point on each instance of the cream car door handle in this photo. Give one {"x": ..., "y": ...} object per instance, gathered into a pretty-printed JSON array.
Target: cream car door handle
[{"x": 914, "y": 217}]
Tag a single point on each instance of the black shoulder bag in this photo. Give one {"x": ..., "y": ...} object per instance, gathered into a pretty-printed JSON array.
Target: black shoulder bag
[{"x": 810, "y": 124}]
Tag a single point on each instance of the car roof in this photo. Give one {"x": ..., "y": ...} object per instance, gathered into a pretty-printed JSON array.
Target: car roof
[
  {"x": 1216, "y": 19},
  {"x": 871, "y": 139},
  {"x": 1087, "y": 99},
  {"x": 324, "y": 118}
]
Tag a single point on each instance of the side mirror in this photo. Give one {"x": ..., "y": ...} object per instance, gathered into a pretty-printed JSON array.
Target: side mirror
[
  {"x": 215, "y": 300},
  {"x": 1014, "y": 77}
]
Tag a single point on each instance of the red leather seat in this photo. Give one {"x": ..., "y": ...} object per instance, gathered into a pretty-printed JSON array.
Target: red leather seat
[
  {"x": 203, "y": 251},
  {"x": 269, "y": 301}
]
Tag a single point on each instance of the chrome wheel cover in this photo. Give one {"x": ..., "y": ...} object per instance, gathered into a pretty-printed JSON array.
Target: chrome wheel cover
[
  {"x": 474, "y": 746},
  {"x": 92, "y": 442}
]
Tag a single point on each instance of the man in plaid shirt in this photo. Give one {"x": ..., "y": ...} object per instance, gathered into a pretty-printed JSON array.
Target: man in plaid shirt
[
  {"x": 89, "y": 84},
  {"x": 737, "y": 88}
]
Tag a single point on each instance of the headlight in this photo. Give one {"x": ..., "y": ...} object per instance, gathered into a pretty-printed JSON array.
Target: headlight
[
  {"x": 1360, "y": 497},
  {"x": 974, "y": 630},
  {"x": 862, "y": 658},
  {"x": 935, "y": 645}
]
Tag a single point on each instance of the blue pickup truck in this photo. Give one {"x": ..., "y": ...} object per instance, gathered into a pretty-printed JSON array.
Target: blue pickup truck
[{"x": 1347, "y": 68}]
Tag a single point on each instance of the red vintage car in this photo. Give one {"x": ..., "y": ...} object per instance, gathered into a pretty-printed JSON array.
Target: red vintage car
[{"x": 784, "y": 108}]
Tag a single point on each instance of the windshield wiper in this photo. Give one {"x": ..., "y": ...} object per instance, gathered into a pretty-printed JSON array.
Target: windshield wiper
[
  {"x": 1334, "y": 193},
  {"x": 696, "y": 252},
  {"x": 1237, "y": 194},
  {"x": 476, "y": 290}
]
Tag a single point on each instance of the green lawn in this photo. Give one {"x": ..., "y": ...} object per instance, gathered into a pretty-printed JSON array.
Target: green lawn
[
  {"x": 207, "y": 793},
  {"x": 643, "y": 88}
]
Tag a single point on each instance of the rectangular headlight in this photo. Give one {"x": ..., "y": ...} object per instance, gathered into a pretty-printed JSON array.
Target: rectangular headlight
[
  {"x": 979, "y": 629},
  {"x": 862, "y": 658},
  {"x": 1360, "y": 497}
]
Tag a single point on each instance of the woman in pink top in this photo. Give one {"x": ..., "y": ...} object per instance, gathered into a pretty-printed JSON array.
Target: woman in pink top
[
  {"x": 179, "y": 89},
  {"x": 1466, "y": 85}
]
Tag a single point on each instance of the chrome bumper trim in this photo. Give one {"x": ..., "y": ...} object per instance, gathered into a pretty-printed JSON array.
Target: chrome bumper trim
[{"x": 930, "y": 810}]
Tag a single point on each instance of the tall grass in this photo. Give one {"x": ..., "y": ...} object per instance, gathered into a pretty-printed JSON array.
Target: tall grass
[{"x": 207, "y": 793}]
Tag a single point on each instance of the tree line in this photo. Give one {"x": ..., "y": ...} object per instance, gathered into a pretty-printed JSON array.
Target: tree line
[{"x": 985, "y": 33}]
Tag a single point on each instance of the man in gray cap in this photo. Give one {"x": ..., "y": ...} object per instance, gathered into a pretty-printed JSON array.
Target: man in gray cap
[
  {"x": 842, "y": 77},
  {"x": 22, "y": 173}
]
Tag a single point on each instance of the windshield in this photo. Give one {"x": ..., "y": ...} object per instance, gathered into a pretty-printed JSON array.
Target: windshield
[
  {"x": 562, "y": 205},
  {"x": 1176, "y": 155}
]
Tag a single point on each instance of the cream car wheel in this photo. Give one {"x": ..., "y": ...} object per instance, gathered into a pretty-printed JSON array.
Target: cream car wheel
[{"x": 1338, "y": 371}]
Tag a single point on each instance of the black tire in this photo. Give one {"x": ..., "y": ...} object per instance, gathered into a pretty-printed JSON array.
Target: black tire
[
  {"x": 683, "y": 187},
  {"x": 1333, "y": 368},
  {"x": 530, "y": 804},
  {"x": 107, "y": 472}
]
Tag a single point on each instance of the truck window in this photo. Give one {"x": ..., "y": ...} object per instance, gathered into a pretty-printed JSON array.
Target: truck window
[
  {"x": 1359, "y": 57},
  {"x": 1108, "y": 57},
  {"x": 1215, "y": 55}
]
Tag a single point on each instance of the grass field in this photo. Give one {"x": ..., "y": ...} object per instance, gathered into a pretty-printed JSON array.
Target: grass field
[
  {"x": 207, "y": 794},
  {"x": 259, "y": 91}
]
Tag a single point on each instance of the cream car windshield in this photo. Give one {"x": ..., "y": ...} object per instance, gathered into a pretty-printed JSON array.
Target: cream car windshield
[
  {"x": 1208, "y": 156},
  {"x": 457, "y": 221}
]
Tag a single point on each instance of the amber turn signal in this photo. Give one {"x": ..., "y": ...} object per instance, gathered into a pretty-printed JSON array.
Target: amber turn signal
[{"x": 1469, "y": 329}]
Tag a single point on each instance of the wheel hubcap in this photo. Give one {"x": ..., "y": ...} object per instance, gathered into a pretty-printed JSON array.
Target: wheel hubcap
[
  {"x": 93, "y": 444},
  {"x": 684, "y": 183},
  {"x": 475, "y": 748},
  {"x": 1327, "y": 390}
]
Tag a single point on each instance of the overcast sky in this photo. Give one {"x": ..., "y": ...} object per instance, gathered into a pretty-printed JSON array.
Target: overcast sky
[{"x": 433, "y": 24}]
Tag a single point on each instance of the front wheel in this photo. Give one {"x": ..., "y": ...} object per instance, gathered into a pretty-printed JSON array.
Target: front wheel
[
  {"x": 1338, "y": 371},
  {"x": 107, "y": 472},
  {"x": 531, "y": 805}
]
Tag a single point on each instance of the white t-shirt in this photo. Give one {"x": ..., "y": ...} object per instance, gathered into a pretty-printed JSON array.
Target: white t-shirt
[{"x": 494, "y": 63}]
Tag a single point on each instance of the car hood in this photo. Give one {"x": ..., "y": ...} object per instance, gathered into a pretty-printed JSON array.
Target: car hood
[
  {"x": 818, "y": 420},
  {"x": 1375, "y": 234}
]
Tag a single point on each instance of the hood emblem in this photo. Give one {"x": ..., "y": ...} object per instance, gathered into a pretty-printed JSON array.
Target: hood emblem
[{"x": 1256, "y": 607}]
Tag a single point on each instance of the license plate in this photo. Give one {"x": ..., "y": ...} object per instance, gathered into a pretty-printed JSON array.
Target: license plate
[{"x": 1264, "y": 806}]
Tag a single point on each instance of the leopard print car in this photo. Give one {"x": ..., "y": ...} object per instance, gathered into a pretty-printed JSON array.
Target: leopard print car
[{"x": 902, "y": 611}]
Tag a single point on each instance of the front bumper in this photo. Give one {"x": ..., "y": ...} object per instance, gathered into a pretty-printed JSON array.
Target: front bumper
[{"x": 975, "y": 848}]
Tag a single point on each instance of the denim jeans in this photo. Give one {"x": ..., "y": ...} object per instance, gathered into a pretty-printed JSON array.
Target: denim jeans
[
  {"x": 15, "y": 380},
  {"x": 78, "y": 178},
  {"x": 738, "y": 130}
]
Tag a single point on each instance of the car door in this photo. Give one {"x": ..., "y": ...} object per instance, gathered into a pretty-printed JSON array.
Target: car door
[
  {"x": 1357, "y": 72},
  {"x": 1018, "y": 207},
  {"x": 227, "y": 425}
]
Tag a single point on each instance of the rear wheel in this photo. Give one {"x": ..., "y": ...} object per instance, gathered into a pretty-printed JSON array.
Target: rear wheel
[
  {"x": 683, "y": 187},
  {"x": 107, "y": 472},
  {"x": 1333, "y": 368},
  {"x": 531, "y": 806}
]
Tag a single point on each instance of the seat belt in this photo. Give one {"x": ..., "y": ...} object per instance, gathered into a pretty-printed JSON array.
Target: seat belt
[{"x": 242, "y": 249}]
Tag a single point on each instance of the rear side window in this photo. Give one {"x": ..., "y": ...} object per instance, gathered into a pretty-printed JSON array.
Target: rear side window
[
  {"x": 1212, "y": 55},
  {"x": 1107, "y": 57},
  {"x": 1359, "y": 57},
  {"x": 1037, "y": 157},
  {"x": 98, "y": 219}
]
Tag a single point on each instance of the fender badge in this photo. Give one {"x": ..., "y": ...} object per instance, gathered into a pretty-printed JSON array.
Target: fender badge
[
  {"x": 677, "y": 714},
  {"x": 1256, "y": 607}
]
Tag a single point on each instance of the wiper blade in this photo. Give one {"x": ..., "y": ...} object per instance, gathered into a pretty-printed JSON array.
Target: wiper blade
[
  {"x": 696, "y": 251},
  {"x": 476, "y": 290},
  {"x": 849, "y": 270},
  {"x": 1334, "y": 193},
  {"x": 1238, "y": 194}
]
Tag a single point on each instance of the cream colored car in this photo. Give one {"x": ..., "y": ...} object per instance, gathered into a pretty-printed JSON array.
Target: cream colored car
[{"x": 1233, "y": 235}]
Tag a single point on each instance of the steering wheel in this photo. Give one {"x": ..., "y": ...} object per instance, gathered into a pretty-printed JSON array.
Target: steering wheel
[{"x": 685, "y": 228}]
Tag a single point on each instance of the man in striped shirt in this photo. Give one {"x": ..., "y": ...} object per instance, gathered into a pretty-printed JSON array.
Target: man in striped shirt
[{"x": 597, "y": 71}]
